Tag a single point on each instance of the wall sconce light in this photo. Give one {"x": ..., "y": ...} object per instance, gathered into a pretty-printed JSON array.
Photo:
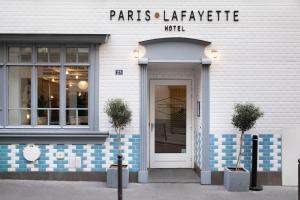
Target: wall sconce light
[
  {"x": 136, "y": 53},
  {"x": 214, "y": 53}
]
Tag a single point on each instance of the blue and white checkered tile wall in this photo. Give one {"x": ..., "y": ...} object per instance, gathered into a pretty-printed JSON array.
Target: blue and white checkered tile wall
[
  {"x": 85, "y": 157},
  {"x": 224, "y": 150},
  {"x": 197, "y": 153}
]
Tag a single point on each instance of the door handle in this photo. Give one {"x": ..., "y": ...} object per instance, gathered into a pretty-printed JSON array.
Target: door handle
[{"x": 151, "y": 126}]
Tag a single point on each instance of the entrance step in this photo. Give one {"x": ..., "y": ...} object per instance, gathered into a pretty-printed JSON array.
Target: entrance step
[{"x": 173, "y": 176}]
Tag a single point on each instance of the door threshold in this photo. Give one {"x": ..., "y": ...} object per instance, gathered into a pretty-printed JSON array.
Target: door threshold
[{"x": 168, "y": 175}]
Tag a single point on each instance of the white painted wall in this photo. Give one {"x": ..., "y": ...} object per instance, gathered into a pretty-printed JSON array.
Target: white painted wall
[
  {"x": 290, "y": 156},
  {"x": 259, "y": 57}
]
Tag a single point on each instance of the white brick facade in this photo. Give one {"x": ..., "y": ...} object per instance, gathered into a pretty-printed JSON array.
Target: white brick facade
[{"x": 259, "y": 56}]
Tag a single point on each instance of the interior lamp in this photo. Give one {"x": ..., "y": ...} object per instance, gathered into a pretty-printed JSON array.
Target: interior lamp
[{"x": 83, "y": 85}]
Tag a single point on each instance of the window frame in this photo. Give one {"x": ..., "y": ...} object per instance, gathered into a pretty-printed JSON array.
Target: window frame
[
  {"x": 1, "y": 92},
  {"x": 93, "y": 69}
]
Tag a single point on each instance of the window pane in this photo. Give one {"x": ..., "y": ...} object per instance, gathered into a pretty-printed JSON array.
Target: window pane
[
  {"x": 83, "y": 55},
  {"x": 26, "y": 54},
  {"x": 42, "y": 117},
  {"x": 19, "y": 117},
  {"x": 20, "y": 54},
  {"x": 25, "y": 117},
  {"x": 1, "y": 54},
  {"x": 14, "y": 53},
  {"x": 13, "y": 117},
  {"x": 19, "y": 87},
  {"x": 71, "y": 117},
  {"x": 48, "y": 95},
  {"x": 54, "y": 117},
  {"x": 83, "y": 117},
  {"x": 71, "y": 55},
  {"x": 51, "y": 55},
  {"x": 48, "y": 117},
  {"x": 77, "y": 95},
  {"x": 19, "y": 92},
  {"x": 42, "y": 55},
  {"x": 54, "y": 55}
]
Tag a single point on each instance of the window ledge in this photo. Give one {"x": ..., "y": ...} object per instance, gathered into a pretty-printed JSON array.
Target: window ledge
[{"x": 21, "y": 136}]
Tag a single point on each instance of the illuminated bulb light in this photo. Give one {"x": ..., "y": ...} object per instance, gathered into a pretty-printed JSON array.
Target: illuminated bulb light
[
  {"x": 52, "y": 80},
  {"x": 135, "y": 53},
  {"x": 52, "y": 97},
  {"x": 67, "y": 72},
  {"x": 83, "y": 85},
  {"x": 79, "y": 94},
  {"x": 28, "y": 116},
  {"x": 76, "y": 77},
  {"x": 70, "y": 85},
  {"x": 214, "y": 54}
]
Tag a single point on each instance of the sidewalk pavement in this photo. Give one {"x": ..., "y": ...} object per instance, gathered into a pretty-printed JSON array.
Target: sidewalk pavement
[{"x": 62, "y": 190}]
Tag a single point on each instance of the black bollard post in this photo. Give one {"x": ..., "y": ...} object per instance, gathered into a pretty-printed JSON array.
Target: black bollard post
[
  {"x": 120, "y": 195},
  {"x": 253, "y": 183},
  {"x": 299, "y": 179}
]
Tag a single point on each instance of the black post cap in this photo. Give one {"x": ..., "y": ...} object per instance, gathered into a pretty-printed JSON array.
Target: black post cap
[{"x": 255, "y": 137}]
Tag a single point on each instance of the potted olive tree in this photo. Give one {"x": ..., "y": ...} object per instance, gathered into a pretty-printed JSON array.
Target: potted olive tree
[
  {"x": 244, "y": 118},
  {"x": 119, "y": 116}
]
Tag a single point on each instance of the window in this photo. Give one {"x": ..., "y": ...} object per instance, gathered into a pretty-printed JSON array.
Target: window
[
  {"x": 77, "y": 95},
  {"x": 45, "y": 86},
  {"x": 51, "y": 55},
  {"x": 20, "y": 54},
  {"x": 77, "y": 55},
  {"x": 48, "y": 95},
  {"x": 19, "y": 95}
]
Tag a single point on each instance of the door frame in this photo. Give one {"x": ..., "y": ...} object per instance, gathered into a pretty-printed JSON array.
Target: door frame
[
  {"x": 179, "y": 50},
  {"x": 188, "y": 158}
]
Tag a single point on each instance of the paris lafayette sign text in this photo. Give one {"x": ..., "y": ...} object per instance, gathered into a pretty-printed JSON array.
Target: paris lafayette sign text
[{"x": 173, "y": 18}]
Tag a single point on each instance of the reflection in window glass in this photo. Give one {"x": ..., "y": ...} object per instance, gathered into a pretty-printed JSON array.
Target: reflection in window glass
[
  {"x": 83, "y": 55},
  {"x": 54, "y": 54},
  {"x": 51, "y": 55},
  {"x": 77, "y": 55},
  {"x": 71, "y": 55},
  {"x": 19, "y": 95},
  {"x": 77, "y": 95},
  {"x": 48, "y": 96},
  {"x": 20, "y": 54},
  {"x": 42, "y": 55}
]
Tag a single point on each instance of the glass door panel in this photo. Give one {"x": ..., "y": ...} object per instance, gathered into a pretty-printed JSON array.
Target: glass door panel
[
  {"x": 170, "y": 124},
  {"x": 170, "y": 119}
]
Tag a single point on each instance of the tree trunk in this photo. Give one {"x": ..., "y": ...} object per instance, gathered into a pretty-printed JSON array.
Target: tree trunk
[
  {"x": 120, "y": 146},
  {"x": 119, "y": 140},
  {"x": 240, "y": 151}
]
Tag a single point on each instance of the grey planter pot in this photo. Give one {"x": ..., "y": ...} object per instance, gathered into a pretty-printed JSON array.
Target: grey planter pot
[
  {"x": 112, "y": 176},
  {"x": 236, "y": 181}
]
